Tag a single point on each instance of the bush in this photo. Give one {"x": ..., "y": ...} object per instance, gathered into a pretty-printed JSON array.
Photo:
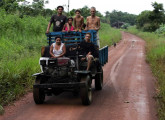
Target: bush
[
  {"x": 20, "y": 43},
  {"x": 161, "y": 30},
  {"x": 125, "y": 26},
  {"x": 108, "y": 35}
]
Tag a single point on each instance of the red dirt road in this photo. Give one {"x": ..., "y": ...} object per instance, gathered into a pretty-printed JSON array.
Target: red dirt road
[{"x": 127, "y": 94}]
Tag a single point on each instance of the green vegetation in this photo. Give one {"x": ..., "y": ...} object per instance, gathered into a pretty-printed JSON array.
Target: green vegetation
[
  {"x": 118, "y": 16},
  {"x": 108, "y": 35},
  {"x": 20, "y": 44},
  {"x": 1, "y": 110},
  {"x": 151, "y": 20},
  {"x": 155, "y": 49},
  {"x": 161, "y": 30}
]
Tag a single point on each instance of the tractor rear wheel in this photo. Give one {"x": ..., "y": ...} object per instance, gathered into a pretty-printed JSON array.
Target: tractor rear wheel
[
  {"x": 86, "y": 91},
  {"x": 99, "y": 80}
]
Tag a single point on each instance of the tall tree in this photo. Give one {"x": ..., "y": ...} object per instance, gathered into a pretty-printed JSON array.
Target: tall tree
[
  {"x": 85, "y": 11},
  {"x": 10, "y": 5},
  {"x": 118, "y": 16},
  {"x": 157, "y": 16},
  {"x": 143, "y": 19},
  {"x": 151, "y": 20}
]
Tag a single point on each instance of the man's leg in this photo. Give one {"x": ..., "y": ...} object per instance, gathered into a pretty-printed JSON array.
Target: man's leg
[
  {"x": 89, "y": 61},
  {"x": 98, "y": 40}
]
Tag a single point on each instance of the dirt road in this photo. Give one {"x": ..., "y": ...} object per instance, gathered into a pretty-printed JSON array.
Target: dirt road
[{"x": 127, "y": 93}]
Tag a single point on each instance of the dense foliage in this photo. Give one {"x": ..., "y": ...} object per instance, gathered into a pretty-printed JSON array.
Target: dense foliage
[
  {"x": 161, "y": 30},
  {"x": 20, "y": 43},
  {"x": 151, "y": 20},
  {"x": 22, "y": 7},
  {"x": 118, "y": 16}
]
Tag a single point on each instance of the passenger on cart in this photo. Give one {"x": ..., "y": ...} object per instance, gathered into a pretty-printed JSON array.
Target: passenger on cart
[
  {"x": 58, "y": 20},
  {"x": 93, "y": 23},
  {"x": 78, "y": 21},
  {"x": 68, "y": 26},
  {"x": 87, "y": 49},
  {"x": 58, "y": 48}
]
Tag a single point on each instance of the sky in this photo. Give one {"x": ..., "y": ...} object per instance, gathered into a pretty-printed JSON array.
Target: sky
[{"x": 129, "y": 6}]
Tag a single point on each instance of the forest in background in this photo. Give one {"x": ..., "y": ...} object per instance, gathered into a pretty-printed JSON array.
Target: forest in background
[{"x": 23, "y": 8}]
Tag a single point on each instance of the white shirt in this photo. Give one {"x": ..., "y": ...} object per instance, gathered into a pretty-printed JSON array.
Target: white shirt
[{"x": 57, "y": 52}]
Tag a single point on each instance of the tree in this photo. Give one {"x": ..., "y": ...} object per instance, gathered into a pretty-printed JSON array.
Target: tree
[
  {"x": 151, "y": 20},
  {"x": 10, "y": 6},
  {"x": 85, "y": 11},
  {"x": 106, "y": 18},
  {"x": 99, "y": 14},
  {"x": 143, "y": 18},
  {"x": 118, "y": 16},
  {"x": 157, "y": 16},
  {"x": 72, "y": 12}
]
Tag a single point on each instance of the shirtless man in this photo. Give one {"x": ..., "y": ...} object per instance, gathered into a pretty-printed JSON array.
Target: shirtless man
[
  {"x": 93, "y": 23},
  {"x": 78, "y": 21}
]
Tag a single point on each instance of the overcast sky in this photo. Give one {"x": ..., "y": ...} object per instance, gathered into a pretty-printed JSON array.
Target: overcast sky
[{"x": 130, "y": 6}]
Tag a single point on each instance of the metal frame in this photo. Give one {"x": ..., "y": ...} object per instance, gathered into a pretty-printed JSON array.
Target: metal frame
[{"x": 76, "y": 37}]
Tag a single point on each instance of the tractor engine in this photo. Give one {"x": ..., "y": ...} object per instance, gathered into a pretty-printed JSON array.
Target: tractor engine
[{"x": 55, "y": 67}]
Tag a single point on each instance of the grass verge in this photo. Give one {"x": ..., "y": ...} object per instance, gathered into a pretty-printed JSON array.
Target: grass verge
[{"x": 108, "y": 35}]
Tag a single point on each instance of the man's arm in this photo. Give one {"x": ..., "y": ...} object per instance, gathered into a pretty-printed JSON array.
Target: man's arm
[
  {"x": 74, "y": 22},
  {"x": 49, "y": 25},
  {"x": 82, "y": 23},
  {"x": 63, "y": 29},
  {"x": 98, "y": 24},
  {"x": 89, "y": 53},
  {"x": 86, "y": 28},
  {"x": 48, "y": 28}
]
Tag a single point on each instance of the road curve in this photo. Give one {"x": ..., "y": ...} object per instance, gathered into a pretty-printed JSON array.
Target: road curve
[{"x": 127, "y": 94}]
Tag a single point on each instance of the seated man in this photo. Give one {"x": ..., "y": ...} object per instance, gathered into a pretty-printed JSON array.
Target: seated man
[{"x": 87, "y": 50}]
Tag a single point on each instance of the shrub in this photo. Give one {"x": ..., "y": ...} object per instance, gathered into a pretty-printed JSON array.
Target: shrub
[{"x": 161, "y": 30}]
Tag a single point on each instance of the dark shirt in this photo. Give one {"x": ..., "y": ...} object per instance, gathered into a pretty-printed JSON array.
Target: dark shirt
[
  {"x": 86, "y": 48},
  {"x": 58, "y": 22}
]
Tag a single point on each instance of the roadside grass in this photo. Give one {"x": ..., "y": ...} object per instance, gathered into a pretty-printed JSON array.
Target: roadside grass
[
  {"x": 108, "y": 35},
  {"x": 20, "y": 45},
  {"x": 155, "y": 50}
]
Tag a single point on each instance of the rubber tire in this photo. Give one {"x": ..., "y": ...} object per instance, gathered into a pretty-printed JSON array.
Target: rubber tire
[
  {"x": 99, "y": 80},
  {"x": 38, "y": 93},
  {"x": 86, "y": 91}
]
